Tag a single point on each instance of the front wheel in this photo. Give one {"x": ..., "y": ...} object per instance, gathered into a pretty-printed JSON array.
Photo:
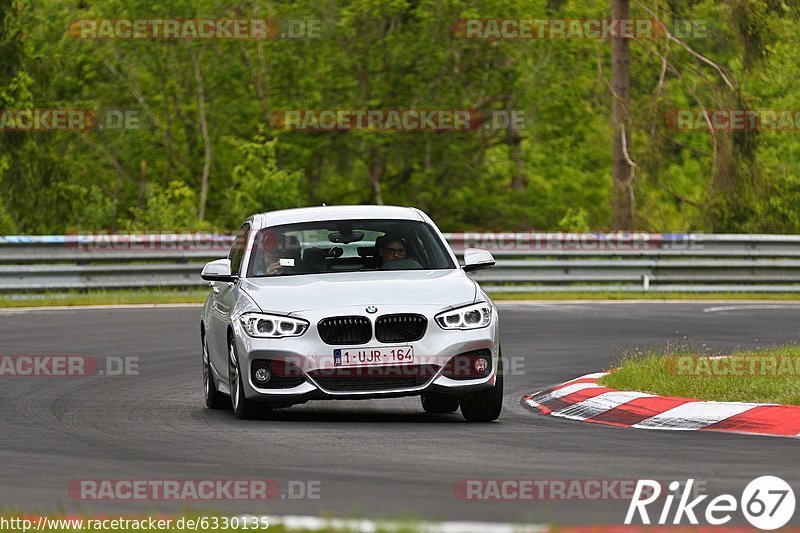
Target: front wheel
[
  {"x": 485, "y": 405},
  {"x": 214, "y": 398},
  {"x": 243, "y": 408}
]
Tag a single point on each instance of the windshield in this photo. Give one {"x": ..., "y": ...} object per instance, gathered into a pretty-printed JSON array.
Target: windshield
[{"x": 347, "y": 246}]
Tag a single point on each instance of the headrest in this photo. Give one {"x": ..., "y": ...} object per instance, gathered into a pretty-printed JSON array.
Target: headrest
[{"x": 383, "y": 240}]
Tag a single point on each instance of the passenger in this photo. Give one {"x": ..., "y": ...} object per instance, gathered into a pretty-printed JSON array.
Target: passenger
[{"x": 279, "y": 254}]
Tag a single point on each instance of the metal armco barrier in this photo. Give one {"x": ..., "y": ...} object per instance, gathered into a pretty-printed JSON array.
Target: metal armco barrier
[{"x": 526, "y": 262}]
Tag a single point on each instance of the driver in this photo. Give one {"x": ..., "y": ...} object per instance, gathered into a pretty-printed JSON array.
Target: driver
[{"x": 391, "y": 247}]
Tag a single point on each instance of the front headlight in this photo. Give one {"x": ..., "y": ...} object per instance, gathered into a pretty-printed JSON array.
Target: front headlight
[
  {"x": 272, "y": 326},
  {"x": 471, "y": 317}
]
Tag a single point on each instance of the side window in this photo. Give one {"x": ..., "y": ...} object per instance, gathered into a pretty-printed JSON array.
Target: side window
[{"x": 237, "y": 250}]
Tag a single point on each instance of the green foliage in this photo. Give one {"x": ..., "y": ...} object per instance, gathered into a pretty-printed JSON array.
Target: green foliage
[
  {"x": 165, "y": 209},
  {"x": 400, "y": 54},
  {"x": 7, "y": 225},
  {"x": 93, "y": 209},
  {"x": 574, "y": 220},
  {"x": 259, "y": 184},
  {"x": 17, "y": 94}
]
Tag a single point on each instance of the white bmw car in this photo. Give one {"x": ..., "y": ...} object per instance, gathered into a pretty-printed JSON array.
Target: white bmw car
[{"x": 349, "y": 302}]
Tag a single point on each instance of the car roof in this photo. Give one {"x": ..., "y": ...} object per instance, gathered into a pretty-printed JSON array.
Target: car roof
[{"x": 336, "y": 212}]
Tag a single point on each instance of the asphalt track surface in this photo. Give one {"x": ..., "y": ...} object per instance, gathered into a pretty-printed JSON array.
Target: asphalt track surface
[{"x": 380, "y": 458}]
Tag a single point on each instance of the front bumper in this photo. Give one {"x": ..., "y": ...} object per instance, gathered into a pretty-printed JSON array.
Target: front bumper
[{"x": 312, "y": 360}]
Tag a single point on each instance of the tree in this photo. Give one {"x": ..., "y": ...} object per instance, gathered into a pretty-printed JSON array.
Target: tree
[{"x": 622, "y": 165}]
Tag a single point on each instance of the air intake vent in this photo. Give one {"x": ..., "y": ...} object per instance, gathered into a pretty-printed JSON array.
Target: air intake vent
[
  {"x": 400, "y": 328},
  {"x": 345, "y": 330},
  {"x": 376, "y": 378}
]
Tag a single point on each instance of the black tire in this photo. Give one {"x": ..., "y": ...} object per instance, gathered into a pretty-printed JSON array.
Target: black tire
[
  {"x": 214, "y": 398},
  {"x": 243, "y": 408},
  {"x": 485, "y": 405},
  {"x": 439, "y": 403}
]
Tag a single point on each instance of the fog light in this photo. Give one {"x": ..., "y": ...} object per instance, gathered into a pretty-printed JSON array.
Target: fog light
[
  {"x": 476, "y": 364},
  {"x": 262, "y": 375}
]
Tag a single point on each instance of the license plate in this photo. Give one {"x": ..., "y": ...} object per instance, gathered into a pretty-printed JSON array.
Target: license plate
[{"x": 367, "y": 356}]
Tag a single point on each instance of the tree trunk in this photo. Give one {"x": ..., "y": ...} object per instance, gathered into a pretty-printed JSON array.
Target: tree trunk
[
  {"x": 201, "y": 104},
  {"x": 514, "y": 141},
  {"x": 622, "y": 173},
  {"x": 375, "y": 173},
  {"x": 143, "y": 184}
]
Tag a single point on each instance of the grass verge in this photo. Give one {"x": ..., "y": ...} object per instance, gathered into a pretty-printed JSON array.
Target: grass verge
[
  {"x": 771, "y": 375},
  {"x": 155, "y": 296},
  {"x": 119, "y": 297},
  {"x": 622, "y": 295}
]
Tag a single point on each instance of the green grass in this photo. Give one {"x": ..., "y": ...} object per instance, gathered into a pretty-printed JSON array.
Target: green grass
[
  {"x": 622, "y": 295},
  {"x": 114, "y": 297},
  {"x": 155, "y": 296},
  {"x": 681, "y": 374}
]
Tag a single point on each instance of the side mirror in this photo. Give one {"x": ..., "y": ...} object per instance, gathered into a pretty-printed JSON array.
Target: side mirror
[
  {"x": 475, "y": 259},
  {"x": 219, "y": 270}
]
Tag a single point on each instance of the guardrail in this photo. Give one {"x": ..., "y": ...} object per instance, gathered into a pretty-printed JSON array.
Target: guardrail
[{"x": 526, "y": 262}]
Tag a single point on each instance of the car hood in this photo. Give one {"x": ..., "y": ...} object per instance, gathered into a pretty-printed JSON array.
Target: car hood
[{"x": 288, "y": 294}]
